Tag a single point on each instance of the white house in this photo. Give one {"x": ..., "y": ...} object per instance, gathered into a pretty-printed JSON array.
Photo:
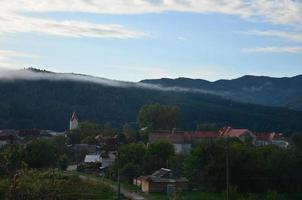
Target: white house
[{"x": 74, "y": 122}]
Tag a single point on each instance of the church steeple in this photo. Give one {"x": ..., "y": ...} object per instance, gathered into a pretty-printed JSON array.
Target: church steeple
[{"x": 74, "y": 122}]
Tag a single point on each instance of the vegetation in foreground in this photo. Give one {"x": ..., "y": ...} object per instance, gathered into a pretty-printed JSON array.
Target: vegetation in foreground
[{"x": 34, "y": 184}]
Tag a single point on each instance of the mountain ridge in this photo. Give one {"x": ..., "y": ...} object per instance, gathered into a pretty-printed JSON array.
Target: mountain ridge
[
  {"x": 46, "y": 102},
  {"x": 262, "y": 90}
]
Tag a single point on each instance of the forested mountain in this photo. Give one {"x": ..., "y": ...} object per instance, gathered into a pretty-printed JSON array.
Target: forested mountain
[
  {"x": 286, "y": 92},
  {"x": 46, "y": 100}
]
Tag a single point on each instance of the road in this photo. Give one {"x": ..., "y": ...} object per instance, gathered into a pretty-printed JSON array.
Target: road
[{"x": 128, "y": 194}]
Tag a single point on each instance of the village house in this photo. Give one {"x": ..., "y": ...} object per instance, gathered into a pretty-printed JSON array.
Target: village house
[
  {"x": 182, "y": 140},
  {"x": 85, "y": 148},
  {"x": 177, "y": 138},
  {"x": 94, "y": 158},
  {"x": 243, "y": 135},
  {"x": 162, "y": 180},
  {"x": 107, "y": 143},
  {"x": 9, "y": 137},
  {"x": 263, "y": 139},
  {"x": 29, "y": 133}
]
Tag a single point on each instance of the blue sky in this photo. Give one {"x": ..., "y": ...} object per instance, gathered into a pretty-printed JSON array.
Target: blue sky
[{"x": 140, "y": 39}]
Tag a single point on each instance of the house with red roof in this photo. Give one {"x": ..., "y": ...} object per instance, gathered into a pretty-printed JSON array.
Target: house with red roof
[
  {"x": 182, "y": 144},
  {"x": 243, "y": 135},
  {"x": 272, "y": 138},
  {"x": 182, "y": 140}
]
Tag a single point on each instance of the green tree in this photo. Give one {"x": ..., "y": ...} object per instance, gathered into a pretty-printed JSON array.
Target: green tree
[
  {"x": 63, "y": 162},
  {"x": 131, "y": 156},
  {"x": 130, "y": 133},
  {"x": 40, "y": 153},
  {"x": 130, "y": 171},
  {"x": 11, "y": 159},
  {"x": 207, "y": 127},
  {"x": 157, "y": 116},
  {"x": 89, "y": 140},
  {"x": 85, "y": 133},
  {"x": 158, "y": 155}
]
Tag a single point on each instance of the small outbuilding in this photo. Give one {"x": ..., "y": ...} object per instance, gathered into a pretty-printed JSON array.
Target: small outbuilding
[{"x": 162, "y": 180}]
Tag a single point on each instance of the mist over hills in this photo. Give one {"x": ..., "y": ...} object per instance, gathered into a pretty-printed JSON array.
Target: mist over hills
[
  {"x": 284, "y": 92},
  {"x": 39, "y": 99}
]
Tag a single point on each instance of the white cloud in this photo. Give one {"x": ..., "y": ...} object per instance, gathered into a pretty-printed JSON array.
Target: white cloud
[
  {"x": 293, "y": 36},
  {"x": 12, "y": 23},
  {"x": 273, "y": 11},
  {"x": 274, "y": 49},
  {"x": 286, "y": 12},
  {"x": 7, "y": 58}
]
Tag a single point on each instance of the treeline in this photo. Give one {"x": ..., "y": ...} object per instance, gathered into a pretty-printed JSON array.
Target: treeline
[{"x": 46, "y": 104}]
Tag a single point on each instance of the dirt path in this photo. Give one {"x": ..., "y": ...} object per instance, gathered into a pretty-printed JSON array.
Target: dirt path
[{"x": 128, "y": 194}]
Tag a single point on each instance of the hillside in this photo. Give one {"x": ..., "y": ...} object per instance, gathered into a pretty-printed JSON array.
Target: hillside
[
  {"x": 285, "y": 92},
  {"x": 46, "y": 100}
]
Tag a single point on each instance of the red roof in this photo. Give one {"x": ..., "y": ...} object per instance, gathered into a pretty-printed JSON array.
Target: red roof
[
  {"x": 266, "y": 136},
  {"x": 180, "y": 137},
  {"x": 202, "y": 134},
  {"x": 175, "y": 137},
  {"x": 229, "y": 131}
]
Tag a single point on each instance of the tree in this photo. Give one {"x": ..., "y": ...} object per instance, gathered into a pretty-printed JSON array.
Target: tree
[
  {"x": 11, "y": 159},
  {"x": 158, "y": 155},
  {"x": 207, "y": 127},
  {"x": 131, "y": 158},
  {"x": 157, "y": 116},
  {"x": 297, "y": 140},
  {"x": 89, "y": 140},
  {"x": 133, "y": 152},
  {"x": 85, "y": 133},
  {"x": 63, "y": 162},
  {"x": 130, "y": 171},
  {"x": 40, "y": 153},
  {"x": 130, "y": 133}
]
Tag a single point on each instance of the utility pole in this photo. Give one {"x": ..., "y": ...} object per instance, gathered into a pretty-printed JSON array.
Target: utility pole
[
  {"x": 118, "y": 171},
  {"x": 227, "y": 169}
]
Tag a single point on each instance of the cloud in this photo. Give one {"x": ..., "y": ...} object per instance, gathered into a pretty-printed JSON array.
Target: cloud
[
  {"x": 12, "y": 23},
  {"x": 12, "y": 18},
  {"x": 274, "y": 49},
  {"x": 7, "y": 58},
  {"x": 273, "y": 11},
  {"x": 293, "y": 36}
]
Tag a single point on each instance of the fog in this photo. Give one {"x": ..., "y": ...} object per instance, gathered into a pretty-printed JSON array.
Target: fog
[{"x": 7, "y": 75}]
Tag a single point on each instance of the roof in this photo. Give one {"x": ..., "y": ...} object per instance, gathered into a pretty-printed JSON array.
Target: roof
[
  {"x": 266, "y": 136},
  {"x": 163, "y": 175},
  {"x": 173, "y": 137},
  {"x": 231, "y": 132},
  {"x": 181, "y": 137},
  {"x": 7, "y": 134},
  {"x": 92, "y": 159},
  {"x": 202, "y": 134},
  {"x": 162, "y": 172},
  {"x": 74, "y": 117}
]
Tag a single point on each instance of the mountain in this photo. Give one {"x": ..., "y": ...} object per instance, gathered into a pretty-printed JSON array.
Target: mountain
[
  {"x": 45, "y": 100},
  {"x": 284, "y": 92}
]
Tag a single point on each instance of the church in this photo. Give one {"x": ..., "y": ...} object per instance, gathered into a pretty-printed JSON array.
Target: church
[{"x": 74, "y": 121}]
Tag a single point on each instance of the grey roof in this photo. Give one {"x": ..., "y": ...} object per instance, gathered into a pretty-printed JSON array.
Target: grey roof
[
  {"x": 92, "y": 159},
  {"x": 164, "y": 176},
  {"x": 162, "y": 172}
]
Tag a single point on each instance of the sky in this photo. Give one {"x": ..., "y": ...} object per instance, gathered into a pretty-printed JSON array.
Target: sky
[{"x": 132, "y": 40}]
